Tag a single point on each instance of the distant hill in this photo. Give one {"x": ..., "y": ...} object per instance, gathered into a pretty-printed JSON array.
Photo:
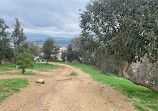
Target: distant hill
[{"x": 62, "y": 41}]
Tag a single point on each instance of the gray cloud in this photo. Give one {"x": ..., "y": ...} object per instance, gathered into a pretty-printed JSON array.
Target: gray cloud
[{"x": 53, "y": 17}]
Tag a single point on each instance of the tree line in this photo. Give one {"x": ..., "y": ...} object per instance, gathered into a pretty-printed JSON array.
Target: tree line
[
  {"x": 116, "y": 34},
  {"x": 23, "y": 52}
]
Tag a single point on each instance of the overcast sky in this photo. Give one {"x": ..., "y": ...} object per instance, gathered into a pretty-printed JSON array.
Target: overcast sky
[{"x": 58, "y": 18}]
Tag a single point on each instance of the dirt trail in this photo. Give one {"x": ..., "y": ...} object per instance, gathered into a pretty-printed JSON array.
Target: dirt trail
[{"x": 63, "y": 92}]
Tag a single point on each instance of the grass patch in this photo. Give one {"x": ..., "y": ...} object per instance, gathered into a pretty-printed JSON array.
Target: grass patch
[
  {"x": 42, "y": 67},
  {"x": 10, "y": 86},
  {"x": 11, "y": 65},
  {"x": 137, "y": 106},
  {"x": 146, "y": 97},
  {"x": 26, "y": 73},
  {"x": 73, "y": 74},
  {"x": 3, "y": 69},
  {"x": 7, "y": 67}
]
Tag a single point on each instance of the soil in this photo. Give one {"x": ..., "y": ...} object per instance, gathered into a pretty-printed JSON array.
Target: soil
[{"x": 62, "y": 92}]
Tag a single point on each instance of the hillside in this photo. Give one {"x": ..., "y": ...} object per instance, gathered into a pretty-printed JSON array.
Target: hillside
[{"x": 62, "y": 41}]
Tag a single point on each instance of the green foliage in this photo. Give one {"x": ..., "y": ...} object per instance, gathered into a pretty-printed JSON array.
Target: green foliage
[
  {"x": 145, "y": 96},
  {"x": 3, "y": 28},
  {"x": 63, "y": 56},
  {"x": 18, "y": 34},
  {"x": 124, "y": 29},
  {"x": 25, "y": 60},
  {"x": 34, "y": 48},
  {"x": 5, "y": 51},
  {"x": 18, "y": 37},
  {"x": 69, "y": 53},
  {"x": 10, "y": 86},
  {"x": 50, "y": 50}
]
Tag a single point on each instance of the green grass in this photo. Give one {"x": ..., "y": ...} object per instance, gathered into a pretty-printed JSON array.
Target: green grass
[
  {"x": 73, "y": 74},
  {"x": 7, "y": 67},
  {"x": 26, "y": 73},
  {"x": 146, "y": 97},
  {"x": 42, "y": 67},
  {"x": 3, "y": 69},
  {"x": 37, "y": 66},
  {"x": 137, "y": 106},
  {"x": 11, "y": 65},
  {"x": 11, "y": 86}
]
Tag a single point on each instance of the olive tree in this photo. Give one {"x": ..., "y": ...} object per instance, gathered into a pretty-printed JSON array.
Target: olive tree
[{"x": 127, "y": 28}]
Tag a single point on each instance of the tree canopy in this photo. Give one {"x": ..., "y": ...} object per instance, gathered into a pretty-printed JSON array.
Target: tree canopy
[
  {"x": 50, "y": 50},
  {"x": 127, "y": 28},
  {"x": 25, "y": 60},
  {"x": 5, "y": 50},
  {"x": 18, "y": 37}
]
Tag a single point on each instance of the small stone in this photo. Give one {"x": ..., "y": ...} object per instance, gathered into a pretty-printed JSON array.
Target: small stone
[{"x": 41, "y": 80}]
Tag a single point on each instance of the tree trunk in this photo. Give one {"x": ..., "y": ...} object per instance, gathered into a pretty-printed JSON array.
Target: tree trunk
[
  {"x": 47, "y": 62},
  {"x": 119, "y": 72},
  {"x": 0, "y": 61},
  {"x": 23, "y": 70},
  {"x": 14, "y": 50},
  {"x": 149, "y": 86}
]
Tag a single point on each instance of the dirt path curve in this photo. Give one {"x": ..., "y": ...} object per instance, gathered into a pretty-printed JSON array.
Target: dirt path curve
[{"x": 63, "y": 92}]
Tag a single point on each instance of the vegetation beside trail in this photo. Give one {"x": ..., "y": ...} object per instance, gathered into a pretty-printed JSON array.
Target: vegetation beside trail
[
  {"x": 11, "y": 86},
  {"x": 141, "y": 97},
  {"x": 4, "y": 69},
  {"x": 10, "y": 65},
  {"x": 42, "y": 67}
]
